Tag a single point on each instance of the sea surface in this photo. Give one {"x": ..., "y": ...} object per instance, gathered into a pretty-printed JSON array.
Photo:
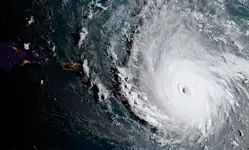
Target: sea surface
[{"x": 99, "y": 107}]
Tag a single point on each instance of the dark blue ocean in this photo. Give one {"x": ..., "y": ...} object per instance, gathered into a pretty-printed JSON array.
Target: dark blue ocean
[{"x": 69, "y": 109}]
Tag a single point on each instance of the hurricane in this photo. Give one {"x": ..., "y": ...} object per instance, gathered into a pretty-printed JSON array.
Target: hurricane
[
  {"x": 156, "y": 74},
  {"x": 188, "y": 71}
]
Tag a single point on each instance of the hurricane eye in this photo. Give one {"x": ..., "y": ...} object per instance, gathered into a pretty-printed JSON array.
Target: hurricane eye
[{"x": 184, "y": 90}]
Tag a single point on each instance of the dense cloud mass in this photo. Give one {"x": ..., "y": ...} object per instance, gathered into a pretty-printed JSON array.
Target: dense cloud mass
[
  {"x": 188, "y": 73},
  {"x": 156, "y": 74}
]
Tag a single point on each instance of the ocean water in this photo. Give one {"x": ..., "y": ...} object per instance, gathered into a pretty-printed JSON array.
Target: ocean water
[{"x": 156, "y": 74}]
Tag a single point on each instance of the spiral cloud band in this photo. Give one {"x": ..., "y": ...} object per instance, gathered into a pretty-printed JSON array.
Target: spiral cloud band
[{"x": 183, "y": 79}]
